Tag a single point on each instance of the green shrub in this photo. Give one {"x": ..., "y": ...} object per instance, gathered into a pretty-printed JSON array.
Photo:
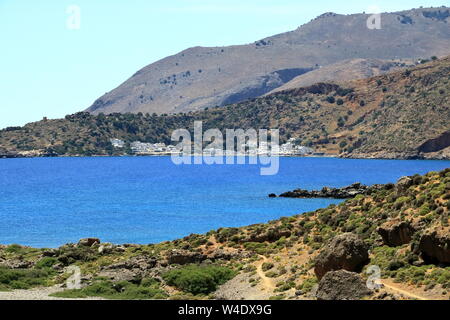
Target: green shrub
[
  {"x": 24, "y": 278},
  {"x": 46, "y": 262},
  {"x": 147, "y": 289},
  {"x": 198, "y": 279},
  {"x": 267, "y": 266}
]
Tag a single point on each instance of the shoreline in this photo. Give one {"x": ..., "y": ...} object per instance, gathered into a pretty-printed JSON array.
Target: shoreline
[{"x": 346, "y": 157}]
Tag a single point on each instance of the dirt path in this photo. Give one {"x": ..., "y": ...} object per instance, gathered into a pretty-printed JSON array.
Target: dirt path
[
  {"x": 390, "y": 285},
  {"x": 267, "y": 282}
]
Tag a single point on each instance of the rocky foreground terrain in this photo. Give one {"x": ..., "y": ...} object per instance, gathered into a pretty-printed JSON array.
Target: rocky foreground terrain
[{"x": 393, "y": 243}]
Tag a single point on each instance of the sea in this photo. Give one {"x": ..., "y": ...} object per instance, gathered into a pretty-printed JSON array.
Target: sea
[{"x": 47, "y": 202}]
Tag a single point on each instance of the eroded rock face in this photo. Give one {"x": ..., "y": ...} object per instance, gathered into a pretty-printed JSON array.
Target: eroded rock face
[
  {"x": 346, "y": 251},
  {"x": 435, "y": 246},
  {"x": 396, "y": 233},
  {"x": 184, "y": 257},
  {"x": 342, "y": 285}
]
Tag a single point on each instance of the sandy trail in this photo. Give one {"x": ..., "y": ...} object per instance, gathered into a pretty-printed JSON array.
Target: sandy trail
[
  {"x": 390, "y": 285},
  {"x": 267, "y": 282}
]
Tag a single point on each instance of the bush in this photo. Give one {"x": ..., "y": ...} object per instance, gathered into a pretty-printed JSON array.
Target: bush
[
  {"x": 147, "y": 289},
  {"x": 24, "y": 279},
  {"x": 46, "y": 262},
  {"x": 198, "y": 279},
  {"x": 267, "y": 266}
]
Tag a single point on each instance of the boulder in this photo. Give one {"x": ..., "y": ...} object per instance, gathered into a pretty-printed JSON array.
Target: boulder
[
  {"x": 396, "y": 233},
  {"x": 404, "y": 183},
  {"x": 342, "y": 285},
  {"x": 434, "y": 246},
  {"x": 181, "y": 257},
  {"x": 88, "y": 242},
  {"x": 346, "y": 251}
]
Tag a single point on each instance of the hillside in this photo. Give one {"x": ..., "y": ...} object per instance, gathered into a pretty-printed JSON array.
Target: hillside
[
  {"x": 343, "y": 71},
  {"x": 403, "y": 114},
  {"x": 202, "y": 77},
  {"x": 400, "y": 231}
]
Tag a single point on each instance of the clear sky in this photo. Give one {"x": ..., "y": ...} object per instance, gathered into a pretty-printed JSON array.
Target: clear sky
[{"x": 49, "y": 67}]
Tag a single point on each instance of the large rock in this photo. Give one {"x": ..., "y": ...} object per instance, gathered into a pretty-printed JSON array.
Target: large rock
[
  {"x": 342, "y": 285},
  {"x": 181, "y": 257},
  {"x": 88, "y": 242},
  {"x": 404, "y": 183},
  {"x": 434, "y": 246},
  {"x": 346, "y": 251},
  {"x": 396, "y": 233}
]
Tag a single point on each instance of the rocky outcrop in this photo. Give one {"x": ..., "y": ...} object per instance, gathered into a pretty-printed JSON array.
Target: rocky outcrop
[
  {"x": 271, "y": 235},
  {"x": 404, "y": 183},
  {"x": 336, "y": 193},
  {"x": 346, "y": 251},
  {"x": 16, "y": 264},
  {"x": 396, "y": 233},
  {"x": 221, "y": 254},
  {"x": 88, "y": 242},
  {"x": 434, "y": 246},
  {"x": 130, "y": 270},
  {"x": 181, "y": 257},
  {"x": 342, "y": 285}
]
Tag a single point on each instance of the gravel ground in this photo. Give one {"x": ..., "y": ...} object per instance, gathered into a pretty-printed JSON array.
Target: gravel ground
[{"x": 36, "y": 294}]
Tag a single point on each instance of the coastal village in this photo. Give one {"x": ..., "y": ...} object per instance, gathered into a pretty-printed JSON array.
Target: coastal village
[{"x": 288, "y": 149}]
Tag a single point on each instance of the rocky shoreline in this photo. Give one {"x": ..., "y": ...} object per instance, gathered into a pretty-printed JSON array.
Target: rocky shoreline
[{"x": 327, "y": 192}]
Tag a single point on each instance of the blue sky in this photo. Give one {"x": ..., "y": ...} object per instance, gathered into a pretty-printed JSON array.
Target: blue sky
[{"x": 48, "y": 69}]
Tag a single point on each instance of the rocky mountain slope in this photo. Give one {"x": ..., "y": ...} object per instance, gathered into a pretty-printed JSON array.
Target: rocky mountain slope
[
  {"x": 344, "y": 71},
  {"x": 206, "y": 77},
  {"x": 404, "y": 114},
  {"x": 390, "y": 244}
]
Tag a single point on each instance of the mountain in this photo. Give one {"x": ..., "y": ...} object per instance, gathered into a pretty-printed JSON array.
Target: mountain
[
  {"x": 207, "y": 77},
  {"x": 399, "y": 230},
  {"x": 404, "y": 114}
]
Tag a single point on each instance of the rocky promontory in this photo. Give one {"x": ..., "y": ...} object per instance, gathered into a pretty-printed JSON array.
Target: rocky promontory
[{"x": 327, "y": 192}]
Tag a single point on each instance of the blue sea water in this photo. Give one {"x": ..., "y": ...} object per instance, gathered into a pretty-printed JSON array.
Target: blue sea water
[{"x": 46, "y": 202}]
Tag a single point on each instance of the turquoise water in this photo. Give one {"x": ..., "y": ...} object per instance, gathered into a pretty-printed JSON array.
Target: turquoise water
[{"x": 46, "y": 202}]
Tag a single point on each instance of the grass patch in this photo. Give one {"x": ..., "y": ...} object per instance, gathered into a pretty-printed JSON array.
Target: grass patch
[{"x": 24, "y": 278}]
